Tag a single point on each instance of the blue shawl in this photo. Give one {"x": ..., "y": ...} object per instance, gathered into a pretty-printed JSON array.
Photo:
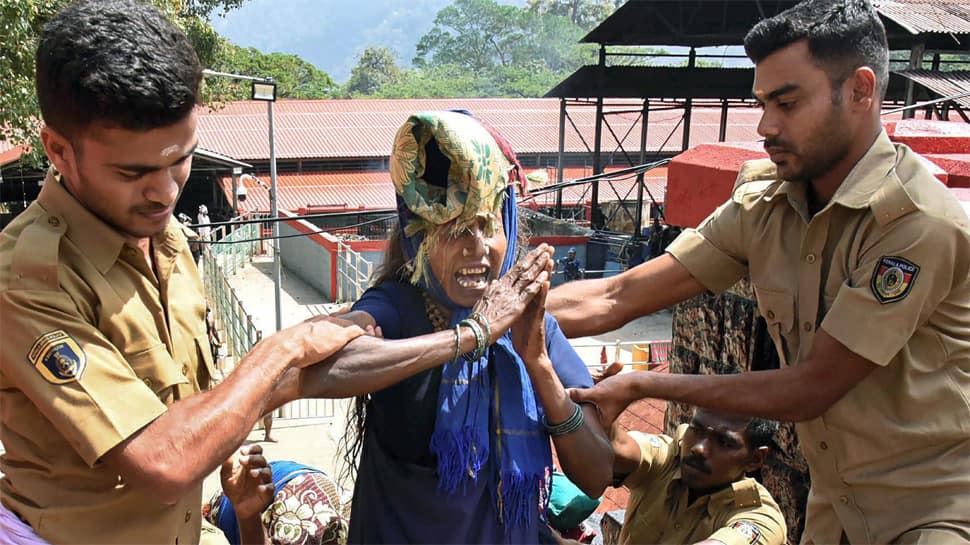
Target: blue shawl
[{"x": 488, "y": 407}]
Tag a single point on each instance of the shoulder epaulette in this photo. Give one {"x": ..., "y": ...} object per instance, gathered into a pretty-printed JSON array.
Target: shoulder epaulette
[
  {"x": 891, "y": 201},
  {"x": 746, "y": 493},
  {"x": 755, "y": 177},
  {"x": 35, "y": 256}
]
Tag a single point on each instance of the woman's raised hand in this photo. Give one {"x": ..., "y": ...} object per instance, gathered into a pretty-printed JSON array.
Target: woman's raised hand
[
  {"x": 529, "y": 332},
  {"x": 506, "y": 299}
]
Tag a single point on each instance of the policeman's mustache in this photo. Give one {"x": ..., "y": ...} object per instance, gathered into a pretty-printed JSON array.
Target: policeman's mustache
[
  {"x": 697, "y": 463},
  {"x": 776, "y": 142}
]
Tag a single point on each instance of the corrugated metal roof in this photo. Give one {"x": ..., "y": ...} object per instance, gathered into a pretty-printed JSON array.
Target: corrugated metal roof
[
  {"x": 942, "y": 83},
  {"x": 343, "y": 190},
  {"x": 365, "y": 128},
  {"x": 375, "y": 191},
  {"x": 937, "y": 16}
]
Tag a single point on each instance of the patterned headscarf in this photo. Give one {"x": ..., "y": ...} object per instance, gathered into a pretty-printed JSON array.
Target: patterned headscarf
[
  {"x": 450, "y": 166},
  {"x": 445, "y": 166}
]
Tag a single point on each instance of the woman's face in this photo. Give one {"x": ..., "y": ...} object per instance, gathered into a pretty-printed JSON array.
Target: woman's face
[{"x": 464, "y": 262}]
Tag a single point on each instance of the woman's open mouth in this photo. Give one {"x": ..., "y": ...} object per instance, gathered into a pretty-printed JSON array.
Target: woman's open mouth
[{"x": 472, "y": 277}]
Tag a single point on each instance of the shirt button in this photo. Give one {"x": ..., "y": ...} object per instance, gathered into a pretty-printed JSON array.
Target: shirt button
[
  {"x": 147, "y": 381},
  {"x": 823, "y": 445},
  {"x": 770, "y": 315},
  {"x": 810, "y": 258},
  {"x": 844, "y": 500},
  {"x": 188, "y": 516},
  {"x": 677, "y": 526},
  {"x": 185, "y": 370},
  {"x": 807, "y": 326},
  {"x": 53, "y": 222}
]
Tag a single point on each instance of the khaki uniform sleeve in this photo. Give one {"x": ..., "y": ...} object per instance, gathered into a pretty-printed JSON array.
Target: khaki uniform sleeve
[
  {"x": 762, "y": 526},
  {"x": 655, "y": 452},
  {"x": 74, "y": 376},
  {"x": 898, "y": 283},
  {"x": 713, "y": 252}
]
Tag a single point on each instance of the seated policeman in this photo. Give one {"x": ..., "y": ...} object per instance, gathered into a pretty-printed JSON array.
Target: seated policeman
[{"x": 692, "y": 488}]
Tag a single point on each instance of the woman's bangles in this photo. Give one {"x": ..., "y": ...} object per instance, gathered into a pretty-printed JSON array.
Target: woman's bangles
[
  {"x": 483, "y": 333},
  {"x": 570, "y": 425}
]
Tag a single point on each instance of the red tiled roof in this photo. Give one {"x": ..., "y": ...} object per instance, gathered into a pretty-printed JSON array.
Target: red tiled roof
[
  {"x": 9, "y": 153},
  {"x": 338, "y": 190},
  {"x": 362, "y": 128},
  {"x": 373, "y": 190}
]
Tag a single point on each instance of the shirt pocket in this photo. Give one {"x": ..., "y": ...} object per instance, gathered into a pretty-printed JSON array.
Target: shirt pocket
[
  {"x": 205, "y": 366},
  {"x": 156, "y": 368},
  {"x": 778, "y": 310}
]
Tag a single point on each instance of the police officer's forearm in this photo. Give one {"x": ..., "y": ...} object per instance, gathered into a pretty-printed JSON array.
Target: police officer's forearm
[
  {"x": 172, "y": 454},
  {"x": 593, "y": 307},
  {"x": 368, "y": 364},
  {"x": 783, "y": 394}
]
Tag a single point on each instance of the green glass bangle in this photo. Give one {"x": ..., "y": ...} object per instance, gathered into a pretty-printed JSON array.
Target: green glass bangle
[
  {"x": 480, "y": 342},
  {"x": 570, "y": 425},
  {"x": 457, "y": 342},
  {"x": 477, "y": 316}
]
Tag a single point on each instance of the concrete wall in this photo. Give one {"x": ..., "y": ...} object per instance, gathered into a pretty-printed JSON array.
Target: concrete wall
[{"x": 310, "y": 257}]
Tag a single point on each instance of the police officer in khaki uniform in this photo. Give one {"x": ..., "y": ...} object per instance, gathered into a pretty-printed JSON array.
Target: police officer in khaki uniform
[
  {"x": 860, "y": 260},
  {"x": 104, "y": 348},
  {"x": 692, "y": 487}
]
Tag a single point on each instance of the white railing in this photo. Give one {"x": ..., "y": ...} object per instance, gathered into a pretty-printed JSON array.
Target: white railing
[
  {"x": 636, "y": 354},
  {"x": 353, "y": 274}
]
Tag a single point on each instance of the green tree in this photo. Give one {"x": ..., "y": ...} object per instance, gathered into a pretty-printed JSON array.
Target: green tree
[
  {"x": 21, "y": 22},
  {"x": 376, "y": 69},
  {"x": 476, "y": 34},
  {"x": 483, "y": 48},
  {"x": 586, "y": 14},
  {"x": 294, "y": 77}
]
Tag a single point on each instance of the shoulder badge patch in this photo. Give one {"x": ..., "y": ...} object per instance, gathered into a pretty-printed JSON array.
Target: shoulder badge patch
[
  {"x": 57, "y": 357},
  {"x": 893, "y": 278},
  {"x": 750, "y": 532}
]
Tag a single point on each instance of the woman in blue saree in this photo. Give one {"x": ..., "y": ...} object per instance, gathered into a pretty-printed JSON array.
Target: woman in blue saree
[{"x": 461, "y": 453}]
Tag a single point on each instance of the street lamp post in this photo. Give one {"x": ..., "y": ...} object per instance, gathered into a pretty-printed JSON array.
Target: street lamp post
[{"x": 265, "y": 89}]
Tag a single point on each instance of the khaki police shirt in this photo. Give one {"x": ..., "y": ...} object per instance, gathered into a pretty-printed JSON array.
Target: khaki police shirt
[
  {"x": 884, "y": 268},
  {"x": 95, "y": 345},
  {"x": 742, "y": 514}
]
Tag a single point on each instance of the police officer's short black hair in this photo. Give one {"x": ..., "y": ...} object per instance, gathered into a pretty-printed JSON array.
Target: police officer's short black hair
[
  {"x": 842, "y": 35},
  {"x": 760, "y": 432},
  {"x": 120, "y": 62}
]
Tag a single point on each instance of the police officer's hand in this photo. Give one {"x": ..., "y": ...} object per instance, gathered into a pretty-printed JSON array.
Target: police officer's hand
[
  {"x": 247, "y": 481},
  {"x": 610, "y": 397},
  {"x": 607, "y": 372},
  {"x": 505, "y": 299},
  {"x": 321, "y": 337}
]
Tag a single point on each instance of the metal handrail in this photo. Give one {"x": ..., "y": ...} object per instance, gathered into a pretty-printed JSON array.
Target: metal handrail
[
  {"x": 353, "y": 273},
  {"x": 218, "y": 263}
]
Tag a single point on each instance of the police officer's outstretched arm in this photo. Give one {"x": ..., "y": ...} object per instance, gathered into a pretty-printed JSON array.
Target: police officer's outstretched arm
[
  {"x": 791, "y": 394},
  {"x": 592, "y": 307},
  {"x": 193, "y": 436}
]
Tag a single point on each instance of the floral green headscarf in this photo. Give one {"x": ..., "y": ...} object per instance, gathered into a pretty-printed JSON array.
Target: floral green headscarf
[{"x": 477, "y": 176}]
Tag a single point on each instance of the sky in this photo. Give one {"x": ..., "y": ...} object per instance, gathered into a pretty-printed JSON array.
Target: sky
[{"x": 331, "y": 33}]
